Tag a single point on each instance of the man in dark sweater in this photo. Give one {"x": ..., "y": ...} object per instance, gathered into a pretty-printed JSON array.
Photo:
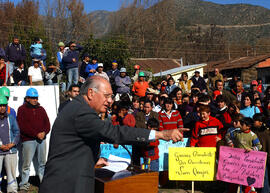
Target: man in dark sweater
[
  {"x": 34, "y": 125},
  {"x": 15, "y": 52},
  {"x": 71, "y": 62},
  {"x": 199, "y": 82}
]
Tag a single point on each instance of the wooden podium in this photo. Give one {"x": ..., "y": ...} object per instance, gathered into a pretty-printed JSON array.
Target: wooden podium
[{"x": 126, "y": 182}]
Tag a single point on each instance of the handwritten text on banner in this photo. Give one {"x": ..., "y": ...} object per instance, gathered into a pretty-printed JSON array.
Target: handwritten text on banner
[
  {"x": 191, "y": 163},
  {"x": 237, "y": 166}
]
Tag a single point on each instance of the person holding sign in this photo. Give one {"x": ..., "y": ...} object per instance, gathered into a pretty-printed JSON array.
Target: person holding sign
[
  {"x": 207, "y": 130},
  {"x": 247, "y": 140},
  {"x": 263, "y": 133}
]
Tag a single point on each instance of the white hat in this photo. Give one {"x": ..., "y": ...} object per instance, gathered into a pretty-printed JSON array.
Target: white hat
[
  {"x": 123, "y": 70},
  {"x": 100, "y": 65}
]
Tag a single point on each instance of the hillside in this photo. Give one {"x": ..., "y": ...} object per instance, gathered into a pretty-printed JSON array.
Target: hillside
[{"x": 239, "y": 21}]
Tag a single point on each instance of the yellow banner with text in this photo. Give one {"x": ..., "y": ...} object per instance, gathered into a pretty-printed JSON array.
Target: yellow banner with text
[{"x": 192, "y": 163}]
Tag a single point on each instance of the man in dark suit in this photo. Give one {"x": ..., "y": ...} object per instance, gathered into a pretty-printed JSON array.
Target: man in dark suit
[
  {"x": 76, "y": 136},
  {"x": 141, "y": 120}
]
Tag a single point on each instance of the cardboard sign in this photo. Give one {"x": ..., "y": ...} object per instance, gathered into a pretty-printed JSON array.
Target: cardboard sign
[
  {"x": 164, "y": 152},
  {"x": 108, "y": 149},
  {"x": 192, "y": 163},
  {"x": 238, "y": 167}
]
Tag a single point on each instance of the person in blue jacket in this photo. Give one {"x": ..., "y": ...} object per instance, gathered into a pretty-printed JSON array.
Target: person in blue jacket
[
  {"x": 9, "y": 138},
  {"x": 91, "y": 68}
]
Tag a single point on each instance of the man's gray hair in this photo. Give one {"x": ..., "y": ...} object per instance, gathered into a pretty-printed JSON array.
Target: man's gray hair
[{"x": 92, "y": 82}]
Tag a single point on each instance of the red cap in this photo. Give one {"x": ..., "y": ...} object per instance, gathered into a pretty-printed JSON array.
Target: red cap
[
  {"x": 137, "y": 67},
  {"x": 254, "y": 82}
]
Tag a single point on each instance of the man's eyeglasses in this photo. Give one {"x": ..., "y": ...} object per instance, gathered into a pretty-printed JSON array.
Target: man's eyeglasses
[{"x": 106, "y": 95}]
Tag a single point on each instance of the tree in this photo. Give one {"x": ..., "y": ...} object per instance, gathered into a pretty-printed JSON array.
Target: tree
[{"x": 108, "y": 50}]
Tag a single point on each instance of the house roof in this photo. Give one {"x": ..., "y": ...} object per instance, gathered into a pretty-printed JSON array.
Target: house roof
[
  {"x": 156, "y": 64},
  {"x": 264, "y": 64},
  {"x": 180, "y": 69},
  {"x": 243, "y": 62}
]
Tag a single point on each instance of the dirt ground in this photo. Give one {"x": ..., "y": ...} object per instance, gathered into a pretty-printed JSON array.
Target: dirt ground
[{"x": 172, "y": 187}]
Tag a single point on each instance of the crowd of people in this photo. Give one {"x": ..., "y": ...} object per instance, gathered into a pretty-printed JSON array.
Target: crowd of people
[{"x": 236, "y": 116}]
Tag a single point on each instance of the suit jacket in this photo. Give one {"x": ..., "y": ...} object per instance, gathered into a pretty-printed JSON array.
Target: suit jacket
[
  {"x": 74, "y": 147},
  {"x": 140, "y": 123}
]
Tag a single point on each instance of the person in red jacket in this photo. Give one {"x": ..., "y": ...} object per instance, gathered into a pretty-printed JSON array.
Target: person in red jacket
[
  {"x": 207, "y": 130},
  {"x": 168, "y": 117},
  {"x": 34, "y": 125},
  {"x": 151, "y": 150},
  {"x": 223, "y": 115}
]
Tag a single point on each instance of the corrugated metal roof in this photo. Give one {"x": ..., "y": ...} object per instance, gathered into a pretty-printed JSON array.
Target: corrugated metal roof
[
  {"x": 243, "y": 62},
  {"x": 180, "y": 69},
  {"x": 156, "y": 64}
]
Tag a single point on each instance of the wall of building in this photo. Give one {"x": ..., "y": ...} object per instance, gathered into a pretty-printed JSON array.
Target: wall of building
[
  {"x": 249, "y": 74},
  {"x": 264, "y": 74}
]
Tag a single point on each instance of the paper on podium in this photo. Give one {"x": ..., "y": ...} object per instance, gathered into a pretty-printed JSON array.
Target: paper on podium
[{"x": 117, "y": 164}]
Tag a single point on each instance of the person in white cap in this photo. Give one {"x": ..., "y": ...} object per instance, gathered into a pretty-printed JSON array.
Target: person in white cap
[{"x": 100, "y": 72}]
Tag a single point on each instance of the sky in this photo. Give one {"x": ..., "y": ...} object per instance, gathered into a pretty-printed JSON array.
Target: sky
[{"x": 114, "y": 5}]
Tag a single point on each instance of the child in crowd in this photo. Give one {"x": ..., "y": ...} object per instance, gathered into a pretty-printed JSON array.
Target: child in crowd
[
  {"x": 248, "y": 140},
  {"x": 37, "y": 51},
  {"x": 223, "y": 114},
  {"x": 263, "y": 133},
  {"x": 229, "y": 137},
  {"x": 151, "y": 151},
  {"x": 207, "y": 130}
]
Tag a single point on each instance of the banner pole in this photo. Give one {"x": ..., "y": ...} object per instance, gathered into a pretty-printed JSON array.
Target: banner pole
[{"x": 192, "y": 186}]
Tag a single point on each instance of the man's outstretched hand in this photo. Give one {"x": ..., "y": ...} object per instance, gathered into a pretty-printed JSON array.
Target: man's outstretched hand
[{"x": 175, "y": 134}]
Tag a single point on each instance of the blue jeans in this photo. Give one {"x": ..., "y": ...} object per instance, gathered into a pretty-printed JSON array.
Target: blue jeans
[
  {"x": 50, "y": 82},
  {"x": 23, "y": 83},
  {"x": 266, "y": 188},
  {"x": 29, "y": 148},
  {"x": 72, "y": 76},
  {"x": 154, "y": 165},
  {"x": 10, "y": 163}
]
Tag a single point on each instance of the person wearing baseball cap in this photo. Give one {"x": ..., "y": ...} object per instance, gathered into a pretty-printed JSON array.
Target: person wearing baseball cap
[
  {"x": 140, "y": 87},
  {"x": 112, "y": 74},
  {"x": 91, "y": 68},
  {"x": 100, "y": 72},
  {"x": 199, "y": 82},
  {"x": 123, "y": 82},
  {"x": 60, "y": 54},
  {"x": 254, "y": 88}
]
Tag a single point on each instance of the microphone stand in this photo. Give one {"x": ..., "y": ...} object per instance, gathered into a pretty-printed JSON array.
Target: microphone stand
[{"x": 132, "y": 167}]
